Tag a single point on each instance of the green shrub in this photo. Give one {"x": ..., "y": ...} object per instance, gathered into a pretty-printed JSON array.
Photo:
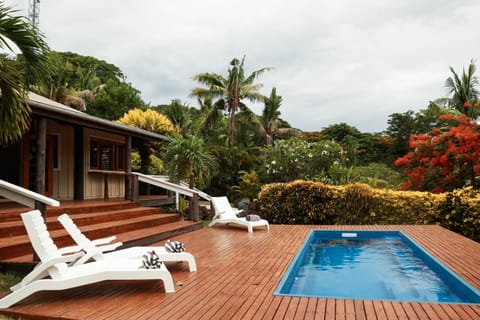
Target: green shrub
[
  {"x": 307, "y": 202},
  {"x": 296, "y": 202},
  {"x": 248, "y": 186}
]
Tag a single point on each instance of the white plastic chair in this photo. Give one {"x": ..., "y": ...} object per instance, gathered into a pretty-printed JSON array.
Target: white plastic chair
[
  {"x": 226, "y": 214},
  {"x": 57, "y": 272},
  {"x": 96, "y": 249}
]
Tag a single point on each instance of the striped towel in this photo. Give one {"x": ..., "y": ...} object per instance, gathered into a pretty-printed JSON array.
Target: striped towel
[
  {"x": 151, "y": 260},
  {"x": 174, "y": 246},
  {"x": 253, "y": 217}
]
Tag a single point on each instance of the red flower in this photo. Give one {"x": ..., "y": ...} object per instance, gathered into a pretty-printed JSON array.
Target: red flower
[
  {"x": 466, "y": 104},
  {"x": 446, "y": 117}
]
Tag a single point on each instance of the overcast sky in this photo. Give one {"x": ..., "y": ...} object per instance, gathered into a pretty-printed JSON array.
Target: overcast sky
[{"x": 334, "y": 61}]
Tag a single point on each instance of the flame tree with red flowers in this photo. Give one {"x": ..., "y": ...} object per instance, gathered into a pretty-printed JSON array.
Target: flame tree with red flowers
[{"x": 444, "y": 159}]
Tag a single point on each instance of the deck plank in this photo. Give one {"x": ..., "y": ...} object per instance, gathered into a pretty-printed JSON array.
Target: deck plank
[{"x": 237, "y": 275}]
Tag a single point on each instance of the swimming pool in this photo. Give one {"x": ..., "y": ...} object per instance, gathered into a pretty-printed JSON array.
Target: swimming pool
[{"x": 376, "y": 265}]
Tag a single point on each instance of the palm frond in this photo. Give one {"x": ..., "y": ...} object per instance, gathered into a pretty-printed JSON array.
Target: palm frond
[
  {"x": 210, "y": 79},
  {"x": 30, "y": 42},
  {"x": 254, "y": 75},
  {"x": 14, "y": 111},
  {"x": 254, "y": 96}
]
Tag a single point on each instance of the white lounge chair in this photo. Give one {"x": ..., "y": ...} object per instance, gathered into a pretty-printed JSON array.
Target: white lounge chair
[
  {"x": 57, "y": 272},
  {"x": 226, "y": 214},
  {"x": 93, "y": 250}
]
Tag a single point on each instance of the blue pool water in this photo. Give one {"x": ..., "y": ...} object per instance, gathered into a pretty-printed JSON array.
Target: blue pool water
[{"x": 378, "y": 265}]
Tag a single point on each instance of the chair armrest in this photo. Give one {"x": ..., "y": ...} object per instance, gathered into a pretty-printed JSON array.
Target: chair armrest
[
  {"x": 217, "y": 215},
  {"x": 103, "y": 244},
  {"x": 66, "y": 259},
  {"x": 69, "y": 250},
  {"x": 103, "y": 240},
  {"x": 110, "y": 247}
]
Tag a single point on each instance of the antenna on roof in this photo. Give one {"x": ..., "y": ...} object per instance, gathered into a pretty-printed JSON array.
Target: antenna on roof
[{"x": 34, "y": 12}]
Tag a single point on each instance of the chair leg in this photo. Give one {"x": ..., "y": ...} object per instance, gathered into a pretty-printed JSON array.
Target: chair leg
[
  {"x": 168, "y": 284},
  {"x": 17, "y": 296}
]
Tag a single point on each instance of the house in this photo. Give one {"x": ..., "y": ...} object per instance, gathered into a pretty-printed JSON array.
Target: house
[{"x": 70, "y": 155}]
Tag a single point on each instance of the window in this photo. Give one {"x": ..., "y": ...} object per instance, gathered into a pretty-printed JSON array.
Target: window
[{"x": 107, "y": 155}]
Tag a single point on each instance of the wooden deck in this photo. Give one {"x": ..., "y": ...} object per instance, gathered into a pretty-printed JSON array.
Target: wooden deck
[{"x": 237, "y": 274}]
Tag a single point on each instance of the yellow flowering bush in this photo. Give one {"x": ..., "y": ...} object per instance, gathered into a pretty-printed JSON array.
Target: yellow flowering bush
[
  {"x": 149, "y": 120},
  {"x": 460, "y": 212}
]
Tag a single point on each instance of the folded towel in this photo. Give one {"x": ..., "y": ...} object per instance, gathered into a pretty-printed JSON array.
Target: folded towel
[
  {"x": 253, "y": 217},
  {"x": 174, "y": 246},
  {"x": 151, "y": 260}
]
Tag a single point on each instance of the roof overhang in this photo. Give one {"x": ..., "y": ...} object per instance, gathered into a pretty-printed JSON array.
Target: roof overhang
[{"x": 50, "y": 109}]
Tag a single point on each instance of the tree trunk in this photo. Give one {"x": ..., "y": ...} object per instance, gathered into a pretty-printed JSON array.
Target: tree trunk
[
  {"x": 41, "y": 156},
  {"x": 231, "y": 128}
]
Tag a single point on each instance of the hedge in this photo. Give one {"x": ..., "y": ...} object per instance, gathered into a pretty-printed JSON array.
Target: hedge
[{"x": 308, "y": 202}]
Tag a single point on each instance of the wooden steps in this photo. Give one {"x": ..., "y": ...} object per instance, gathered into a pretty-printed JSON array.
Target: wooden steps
[{"x": 132, "y": 224}]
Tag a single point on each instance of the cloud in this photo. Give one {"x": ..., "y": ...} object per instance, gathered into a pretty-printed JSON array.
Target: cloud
[{"x": 335, "y": 61}]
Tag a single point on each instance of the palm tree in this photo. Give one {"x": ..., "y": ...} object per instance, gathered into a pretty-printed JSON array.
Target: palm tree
[
  {"x": 271, "y": 115},
  {"x": 14, "y": 81},
  {"x": 189, "y": 159},
  {"x": 230, "y": 91},
  {"x": 272, "y": 125},
  {"x": 177, "y": 112},
  {"x": 463, "y": 90},
  {"x": 59, "y": 85}
]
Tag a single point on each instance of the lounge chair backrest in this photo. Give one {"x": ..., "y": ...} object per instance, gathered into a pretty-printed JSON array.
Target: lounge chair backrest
[
  {"x": 222, "y": 206},
  {"x": 42, "y": 242},
  {"x": 76, "y": 234}
]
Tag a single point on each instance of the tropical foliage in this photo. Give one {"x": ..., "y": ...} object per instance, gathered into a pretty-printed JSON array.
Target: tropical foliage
[
  {"x": 188, "y": 159},
  {"x": 402, "y": 125},
  {"x": 16, "y": 75},
  {"x": 251, "y": 149},
  {"x": 88, "y": 84},
  {"x": 463, "y": 92},
  {"x": 295, "y": 158},
  {"x": 230, "y": 92},
  {"x": 444, "y": 159}
]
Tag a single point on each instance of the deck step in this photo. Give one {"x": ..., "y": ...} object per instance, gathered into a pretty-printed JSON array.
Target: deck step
[
  {"x": 15, "y": 227},
  {"x": 132, "y": 224}
]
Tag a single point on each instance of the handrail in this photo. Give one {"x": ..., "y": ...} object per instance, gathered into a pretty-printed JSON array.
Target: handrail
[
  {"x": 201, "y": 194},
  {"x": 178, "y": 189},
  {"x": 165, "y": 184},
  {"x": 24, "y": 196}
]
